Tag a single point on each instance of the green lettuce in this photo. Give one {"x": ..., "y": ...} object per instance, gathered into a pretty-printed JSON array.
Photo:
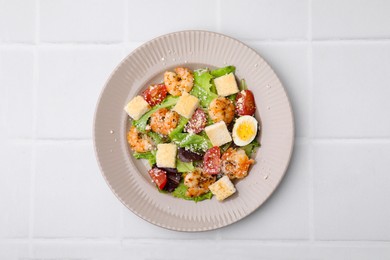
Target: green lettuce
[
  {"x": 150, "y": 156},
  {"x": 243, "y": 85},
  {"x": 192, "y": 142},
  {"x": 142, "y": 122},
  {"x": 222, "y": 71},
  {"x": 179, "y": 128},
  {"x": 232, "y": 97},
  {"x": 203, "y": 86},
  {"x": 203, "y": 78},
  {"x": 205, "y": 96},
  {"x": 180, "y": 192},
  {"x": 225, "y": 147},
  {"x": 156, "y": 137},
  {"x": 184, "y": 166},
  {"x": 251, "y": 147}
]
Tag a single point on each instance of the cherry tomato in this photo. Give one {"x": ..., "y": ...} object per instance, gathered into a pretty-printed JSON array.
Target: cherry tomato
[
  {"x": 155, "y": 94},
  {"x": 197, "y": 122},
  {"x": 245, "y": 103},
  {"x": 212, "y": 161},
  {"x": 159, "y": 177}
]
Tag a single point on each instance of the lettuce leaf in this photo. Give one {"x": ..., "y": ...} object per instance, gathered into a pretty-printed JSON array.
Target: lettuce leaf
[
  {"x": 243, "y": 85},
  {"x": 150, "y": 156},
  {"x": 251, "y": 147},
  {"x": 232, "y": 97},
  {"x": 202, "y": 78},
  {"x": 204, "y": 96},
  {"x": 223, "y": 71},
  {"x": 142, "y": 122},
  {"x": 184, "y": 166},
  {"x": 158, "y": 139},
  {"x": 180, "y": 192},
  {"x": 192, "y": 142},
  {"x": 202, "y": 87},
  {"x": 179, "y": 128}
]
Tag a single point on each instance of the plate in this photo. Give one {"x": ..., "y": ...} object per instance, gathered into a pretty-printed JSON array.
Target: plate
[{"x": 128, "y": 178}]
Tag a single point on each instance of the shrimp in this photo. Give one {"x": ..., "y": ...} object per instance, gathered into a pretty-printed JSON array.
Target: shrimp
[
  {"x": 182, "y": 80},
  {"x": 221, "y": 109},
  {"x": 138, "y": 141},
  {"x": 235, "y": 163},
  {"x": 163, "y": 121},
  {"x": 198, "y": 183}
]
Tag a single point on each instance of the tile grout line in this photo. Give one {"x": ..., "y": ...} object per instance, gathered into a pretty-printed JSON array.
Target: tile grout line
[
  {"x": 250, "y": 41},
  {"x": 311, "y": 125},
  {"x": 126, "y": 25},
  {"x": 121, "y": 225},
  {"x": 292, "y": 243},
  {"x": 34, "y": 129},
  {"x": 218, "y": 16}
]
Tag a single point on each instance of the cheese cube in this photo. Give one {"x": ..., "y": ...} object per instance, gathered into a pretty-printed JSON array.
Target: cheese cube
[
  {"x": 222, "y": 188},
  {"x": 218, "y": 133},
  {"x": 137, "y": 107},
  {"x": 166, "y": 155},
  {"x": 226, "y": 85},
  {"x": 186, "y": 105}
]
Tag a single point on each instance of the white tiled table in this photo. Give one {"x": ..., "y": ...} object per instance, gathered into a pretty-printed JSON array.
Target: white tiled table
[{"x": 333, "y": 57}]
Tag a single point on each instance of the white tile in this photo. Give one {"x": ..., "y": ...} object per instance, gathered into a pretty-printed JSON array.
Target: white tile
[
  {"x": 265, "y": 19},
  {"x": 285, "y": 216},
  {"x": 70, "y": 81},
  {"x": 15, "y": 173},
  {"x": 152, "y": 18},
  {"x": 135, "y": 227},
  {"x": 238, "y": 249},
  {"x": 290, "y": 63},
  {"x": 14, "y": 250},
  {"x": 351, "y": 191},
  {"x": 81, "y": 21},
  {"x": 351, "y": 90},
  {"x": 351, "y": 19},
  {"x": 17, "y": 21},
  {"x": 130, "y": 47},
  {"x": 71, "y": 197},
  {"x": 76, "y": 250},
  {"x": 16, "y": 80}
]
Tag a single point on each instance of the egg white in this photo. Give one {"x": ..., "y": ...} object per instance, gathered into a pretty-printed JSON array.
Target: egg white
[{"x": 244, "y": 119}]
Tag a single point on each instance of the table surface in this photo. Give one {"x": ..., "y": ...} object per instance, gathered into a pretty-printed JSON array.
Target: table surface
[{"x": 333, "y": 58}]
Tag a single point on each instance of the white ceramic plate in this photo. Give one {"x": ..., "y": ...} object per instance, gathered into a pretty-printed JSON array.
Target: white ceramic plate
[{"x": 128, "y": 178}]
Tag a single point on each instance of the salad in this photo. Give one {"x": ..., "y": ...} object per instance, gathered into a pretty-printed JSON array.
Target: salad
[{"x": 197, "y": 130}]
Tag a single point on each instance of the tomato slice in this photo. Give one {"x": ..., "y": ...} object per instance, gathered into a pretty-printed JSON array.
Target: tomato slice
[
  {"x": 212, "y": 161},
  {"x": 197, "y": 122},
  {"x": 245, "y": 103},
  {"x": 159, "y": 177},
  {"x": 155, "y": 94}
]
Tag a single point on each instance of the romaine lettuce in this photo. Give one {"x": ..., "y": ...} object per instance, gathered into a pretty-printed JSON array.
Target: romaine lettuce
[
  {"x": 184, "y": 166},
  {"x": 202, "y": 87},
  {"x": 150, "y": 156},
  {"x": 251, "y": 147},
  {"x": 223, "y": 71}
]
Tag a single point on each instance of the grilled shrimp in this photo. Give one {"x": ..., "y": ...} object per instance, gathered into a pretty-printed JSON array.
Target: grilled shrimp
[
  {"x": 221, "y": 109},
  {"x": 198, "y": 183},
  {"x": 182, "y": 80},
  {"x": 163, "y": 121},
  {"x": 138, "y": 141},
  {"x": 235, "y": 163}
]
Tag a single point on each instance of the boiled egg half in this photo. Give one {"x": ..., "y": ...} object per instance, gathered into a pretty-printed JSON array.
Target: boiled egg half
[{"x": 244, "y": 130}]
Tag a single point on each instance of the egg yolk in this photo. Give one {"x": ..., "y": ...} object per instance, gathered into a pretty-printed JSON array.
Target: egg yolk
[{"x": 245, "y": 131}]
